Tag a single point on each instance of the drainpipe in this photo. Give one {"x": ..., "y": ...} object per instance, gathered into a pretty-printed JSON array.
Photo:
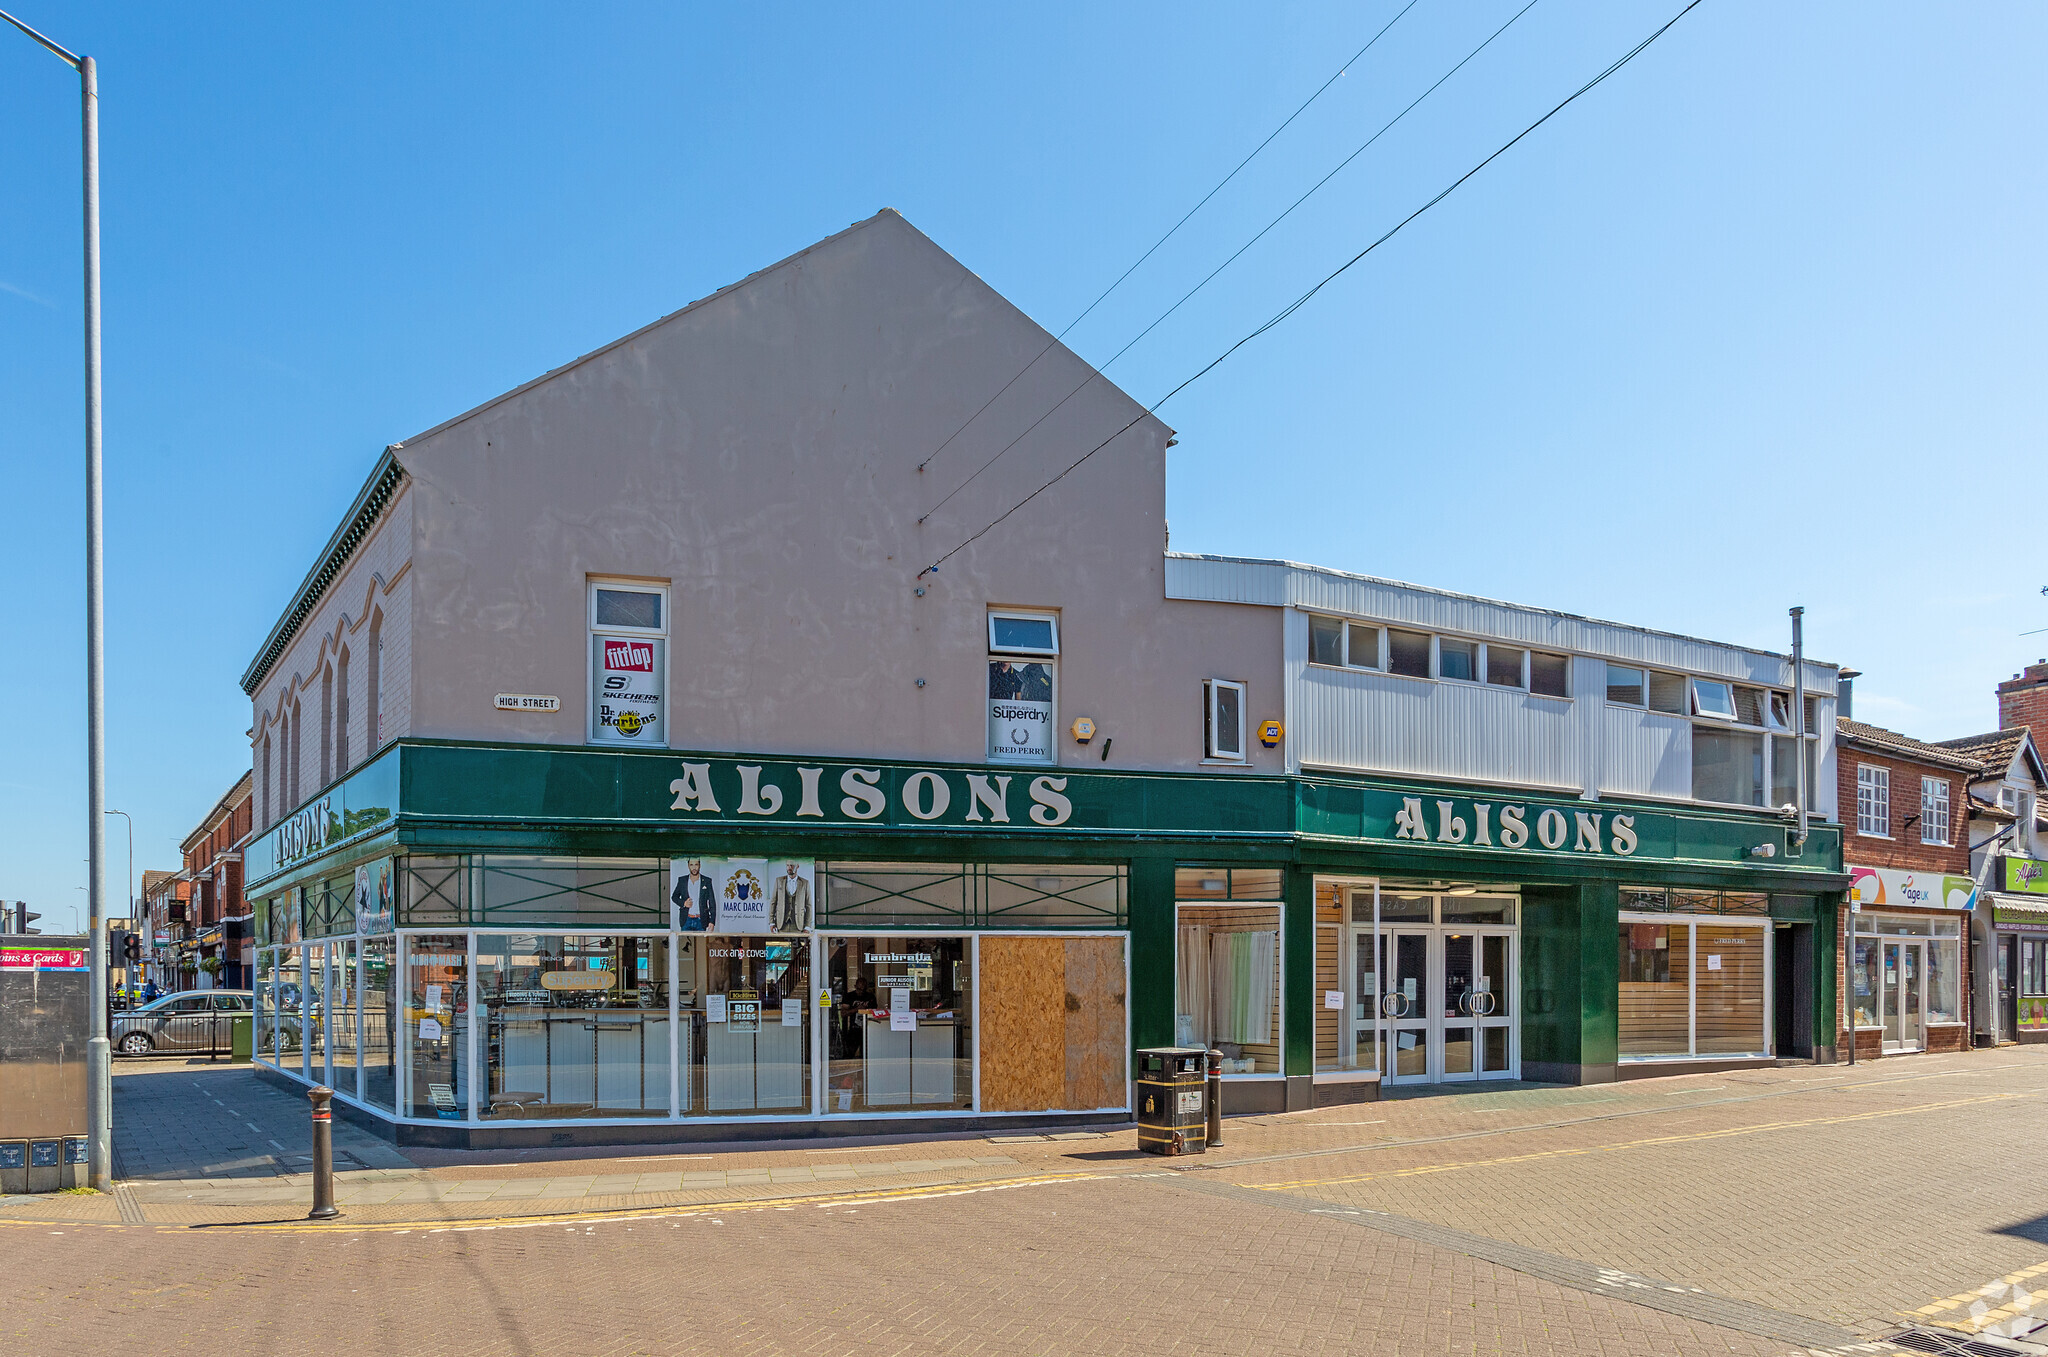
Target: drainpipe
[{"x": 1799, "y": 718}]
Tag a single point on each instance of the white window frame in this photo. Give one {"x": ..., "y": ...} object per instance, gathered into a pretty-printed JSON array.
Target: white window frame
[
  {"x": 1486, "y": 669},
  {"x": 1375, "y": 661},
  {"x": 1529, "y": 674},
  {"x": 1607, "y": 685},
  {"x": 1699, "y": 709},
  {"x": 1436, "y": 657},
  {"x": 1024, "y": 615},
  {"x": 1212, "y": 753},
  {"x": 1934, "y": 810},
  {"x": 1873, "y": 800},
  {"x": 593, "y": 630}
]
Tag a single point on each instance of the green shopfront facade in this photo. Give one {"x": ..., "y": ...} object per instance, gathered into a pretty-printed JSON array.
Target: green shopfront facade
[{"x": 502, "y": 944}]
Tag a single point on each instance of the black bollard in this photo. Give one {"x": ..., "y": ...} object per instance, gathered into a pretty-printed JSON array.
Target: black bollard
[
  {"x": 1215, "y": 1136},
  {"x": 323, "y": 1155}
]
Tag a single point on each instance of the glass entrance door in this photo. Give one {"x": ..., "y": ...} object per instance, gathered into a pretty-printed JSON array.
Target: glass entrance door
[
  {"x": 1406, "y": 1008},
  {"x": 1904, "y": 964},
  {"x": 1457, "y": 1005}
]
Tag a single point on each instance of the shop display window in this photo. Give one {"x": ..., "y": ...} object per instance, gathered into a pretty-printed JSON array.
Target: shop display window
[
  {"x": 343, "y": 999},
  {"x": 1944, "y": 982},
  {"x": 745, "y": 1031},
  {"x": 1864, "y": 982},
  {"x": 315, "y": 1024},
  {"x": 436, "y": 1019},
  {"x": 1227, "y": 984},
  {"x": 574, "y": 1025},
  {"x": 900, "y": 1021},
  {"x": 1692, "y": 987},
  {"x": 379, "y": 1004},
  {"x": 1055, "y": 1035}
]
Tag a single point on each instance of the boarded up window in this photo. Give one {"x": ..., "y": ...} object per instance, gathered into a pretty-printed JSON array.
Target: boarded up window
[{"x": 1052, "y": 1024}]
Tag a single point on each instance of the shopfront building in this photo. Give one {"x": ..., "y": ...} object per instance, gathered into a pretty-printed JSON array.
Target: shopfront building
[
  {"x": 522, "y": 945},
  {"x": 2019, "y": 945}
]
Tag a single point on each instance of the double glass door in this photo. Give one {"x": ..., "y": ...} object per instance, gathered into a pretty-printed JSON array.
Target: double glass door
[
  {"x": 1900, "y": 980},
  {"x": 1447, "y": 1007}
]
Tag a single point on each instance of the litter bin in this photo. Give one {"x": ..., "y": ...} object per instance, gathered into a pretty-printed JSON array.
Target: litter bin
[
  {"x": 1172, "y": 1084},
  {"x": 243, "y": 1042}
]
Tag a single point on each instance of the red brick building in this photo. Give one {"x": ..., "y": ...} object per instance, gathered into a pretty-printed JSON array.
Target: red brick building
[
  {"x": 2023, "y": 701},
  {"x": 218, "y": 926},
  {"x": 1906, "y": 846}
]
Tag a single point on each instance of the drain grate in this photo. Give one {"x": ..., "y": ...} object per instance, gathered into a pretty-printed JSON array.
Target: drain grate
[{"x": 1949, "y": 1343}]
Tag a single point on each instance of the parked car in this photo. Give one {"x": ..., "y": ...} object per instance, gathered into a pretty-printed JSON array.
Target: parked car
[{"x": 198, "y": 1020}]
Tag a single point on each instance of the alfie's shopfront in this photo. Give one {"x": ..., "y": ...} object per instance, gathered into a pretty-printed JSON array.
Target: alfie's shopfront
[{"x": 489, "y": 944}]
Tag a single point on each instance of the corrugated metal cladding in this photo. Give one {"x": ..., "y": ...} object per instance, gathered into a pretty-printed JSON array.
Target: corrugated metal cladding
[
  {"x": 1224, "y": 579},
  {"x": 1385, "y": 723},
  {"x": 1645, "y": 753}
]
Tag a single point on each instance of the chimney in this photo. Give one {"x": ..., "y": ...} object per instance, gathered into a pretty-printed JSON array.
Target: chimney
[
  {"x": 2023, "y": 700},
  {"x": 1845, "y": 693}
]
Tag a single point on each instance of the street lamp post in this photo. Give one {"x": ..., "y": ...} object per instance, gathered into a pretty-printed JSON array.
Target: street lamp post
[{"x": 99, "y": 1097}]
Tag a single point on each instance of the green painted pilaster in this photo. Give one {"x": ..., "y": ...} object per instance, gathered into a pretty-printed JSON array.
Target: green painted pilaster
[
  {"x": 1151, "y": 905},
  {"x": 1826, "y": 956},
  {"x": 1550, "y": 982},
  {"x": 1599, "y": 980},
  {"x": 1298, "y": 977}
]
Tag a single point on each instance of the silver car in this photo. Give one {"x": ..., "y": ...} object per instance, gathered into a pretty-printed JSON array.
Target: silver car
[{"x": 198, "y": 1020}]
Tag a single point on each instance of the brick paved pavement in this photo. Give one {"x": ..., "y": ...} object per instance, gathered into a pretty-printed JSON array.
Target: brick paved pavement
[{"x": 1754, "y": 1212}]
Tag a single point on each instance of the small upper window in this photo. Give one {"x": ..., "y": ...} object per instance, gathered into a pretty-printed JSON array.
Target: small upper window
[
  {"x": 1933, "y": 810},
  {"x": 1778, "y": 712},
  {"x": 1408, "y": 652},
  {"x": 1548, "y": 674},
  {"x": 1225, "y": 719},
  {"x": 1325, "y": 640},
  {"x": 1667, "y": 693},
  {"x": 1023, "y": 634},
  {"x": 1457, "y": 660},
  {"x": 1362, "y": 646},
  {"x": 1504, "y": 666},
  {"x": 1624, "y": 685},
  {"x": 1711, "y": 697},
  {"x": 616, "y": 608}
]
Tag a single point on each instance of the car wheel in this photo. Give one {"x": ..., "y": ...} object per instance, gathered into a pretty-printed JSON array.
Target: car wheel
[{"x": 137, "y": 1043}]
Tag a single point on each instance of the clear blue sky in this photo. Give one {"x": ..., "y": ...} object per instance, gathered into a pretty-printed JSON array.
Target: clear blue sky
[{"x": 1756, "y": 323}]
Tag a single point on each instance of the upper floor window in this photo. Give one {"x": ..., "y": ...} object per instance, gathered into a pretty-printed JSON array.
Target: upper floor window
[
  {"x": 628, "y": 663},
  {"x": 1349, "y": 645},
  {"x": 1408, "y": 652},
  {"x": 1504, "y": 665},
  {"x": 1933, "y": 810},
  {"x": 1457, "y": 660},
  {"x": 1023, "y": 681},
  {"x": 1223, "y": 710},
  {"x": 1549, "y": 675},
  {"x": 1712, "y": 698},
  {"x": 1873, "y": 801},
  {"x": 1625, "y": 685}
]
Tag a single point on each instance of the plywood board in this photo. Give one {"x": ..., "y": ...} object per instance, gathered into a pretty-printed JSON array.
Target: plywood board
[
  {"x": 1094, "y": 1001},
  {"x": 1023, "y": 1024}
]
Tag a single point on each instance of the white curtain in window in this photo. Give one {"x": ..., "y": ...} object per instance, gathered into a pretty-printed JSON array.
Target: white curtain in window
[
  {"x": 1191, "y": 988},
  {"x": 1241, "y": 966}
]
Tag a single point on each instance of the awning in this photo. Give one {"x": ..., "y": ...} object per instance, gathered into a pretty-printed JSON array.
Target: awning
[{"x": 2019, "y": 913}]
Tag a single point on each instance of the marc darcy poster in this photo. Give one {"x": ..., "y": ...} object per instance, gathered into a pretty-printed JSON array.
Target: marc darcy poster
[{"x": 751, "y": 896}]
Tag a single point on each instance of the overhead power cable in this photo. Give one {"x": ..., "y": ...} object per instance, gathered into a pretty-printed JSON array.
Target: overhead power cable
[
  {"x": 1095, "y": 374},
  {"x": 1305, "y": 297},
  {"x": 1335, "y": 76}
]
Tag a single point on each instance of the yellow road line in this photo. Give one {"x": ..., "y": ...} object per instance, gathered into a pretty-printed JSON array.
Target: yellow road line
[
  {"x": 1650, "y": 1142},
  {"x": 877, "y": 1195}
]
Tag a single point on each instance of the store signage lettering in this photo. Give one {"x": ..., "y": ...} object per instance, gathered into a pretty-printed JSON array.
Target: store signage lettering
[
  {"x": 305, "y": 832},
  {"x": 926, "y": 795},
  {"x": 2025, "y": 876},
  {"x": 42, "y": 959},
  {"x": 1477, "y": 823}
]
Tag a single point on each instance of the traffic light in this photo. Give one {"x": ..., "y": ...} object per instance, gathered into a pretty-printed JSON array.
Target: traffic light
[
  {"x": 117, "y": 947},
  {"x": 19, "y": 916},
  {"x": 131, "y": 948}
]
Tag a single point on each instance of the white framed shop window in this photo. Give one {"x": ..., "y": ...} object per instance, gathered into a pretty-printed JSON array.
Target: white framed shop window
[
  {"x": 1023, "y": 685},
  {"x": 1223, "y": 712},
  {"x": 628, "y": 663}
]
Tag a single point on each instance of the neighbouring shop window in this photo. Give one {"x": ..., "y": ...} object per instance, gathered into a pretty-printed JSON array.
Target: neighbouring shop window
[
  {"x": 1227, "y": 984},
  {"x": 344, "y": 1001},
  {"x": 1873, "y": 801},
  {"x": 628, "y": 663},
  {"x": 1933, "y": 810},
  {"x": 900, "y": 1019},
  {"x": 380, "y": 1021},
  {"x": 1865, "y": 982},
  {"x": 574, "y": 1025},
  {"x": 436, "y": 1018},
  {"x": 1023, "y": 684},
  {"x": 2033, "y": 966},
  {"x": 290, "y": 989},
  {"x": 1054, "y": 1032},
  {"x": 1692, "y": 987},
  {"x": 746, "y": 1013}
]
